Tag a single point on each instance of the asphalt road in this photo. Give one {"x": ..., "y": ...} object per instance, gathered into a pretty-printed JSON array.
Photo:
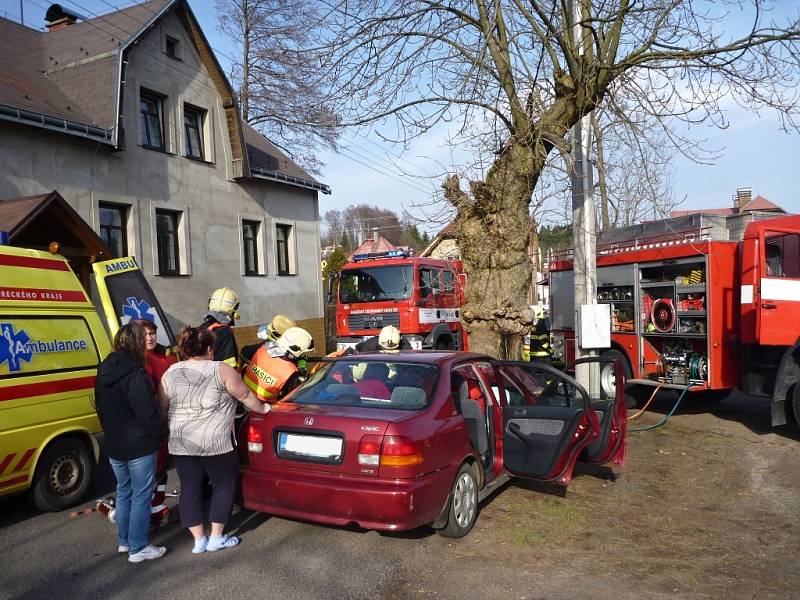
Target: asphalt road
[
  {"x": 58, "y": 556},
  {"x": 642, "y": 535}
]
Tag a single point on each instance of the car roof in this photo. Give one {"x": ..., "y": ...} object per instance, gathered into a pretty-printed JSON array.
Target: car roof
[{"x": 434, "y": 357}]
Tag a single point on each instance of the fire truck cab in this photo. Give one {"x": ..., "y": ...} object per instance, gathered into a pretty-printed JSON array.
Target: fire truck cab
[
  {"x": 420, "y": 296},
  {"x": 714, "y": 307}
]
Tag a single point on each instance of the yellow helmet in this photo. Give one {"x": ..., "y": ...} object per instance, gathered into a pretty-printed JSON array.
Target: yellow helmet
[
  {"x": 225, "y": 300},
  {"x": 296, "y": 341},
  {"x": 538, "y": 312},
  {"x": 389, "y": 338},
  {"x": 279, "y": 325}
]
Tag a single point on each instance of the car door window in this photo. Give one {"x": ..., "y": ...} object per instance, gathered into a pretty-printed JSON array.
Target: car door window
[{"x": 545, "y": 433}]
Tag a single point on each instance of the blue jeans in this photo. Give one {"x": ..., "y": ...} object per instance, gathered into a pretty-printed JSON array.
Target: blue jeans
[{"x": 134, "y": 489}]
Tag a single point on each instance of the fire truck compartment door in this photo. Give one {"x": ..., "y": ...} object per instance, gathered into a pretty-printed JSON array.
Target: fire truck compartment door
[
  {"x": 615, "y": 275},
  {"x": 779, "y": 301}
]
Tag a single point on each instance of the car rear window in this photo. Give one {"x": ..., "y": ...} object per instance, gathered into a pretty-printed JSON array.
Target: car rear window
[{"x": 377, "y": 384}]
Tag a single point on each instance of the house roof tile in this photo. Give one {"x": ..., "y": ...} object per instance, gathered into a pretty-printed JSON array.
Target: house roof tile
[{"x": 72, "y": 73}]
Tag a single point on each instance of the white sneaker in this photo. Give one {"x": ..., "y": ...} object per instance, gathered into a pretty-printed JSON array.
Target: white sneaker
[
  {"x": 149, "y": 552},
  {"x": 123, "y": 549}
]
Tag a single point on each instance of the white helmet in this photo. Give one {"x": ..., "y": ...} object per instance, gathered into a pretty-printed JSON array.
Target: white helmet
[
  {"x": 225, "y": 300},
  {"x": 296, "y": 342},
  {"x": 389, "y": 338}
]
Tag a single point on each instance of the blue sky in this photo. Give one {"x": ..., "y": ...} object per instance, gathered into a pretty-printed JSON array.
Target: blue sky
[{"x": 754, "y": 152}]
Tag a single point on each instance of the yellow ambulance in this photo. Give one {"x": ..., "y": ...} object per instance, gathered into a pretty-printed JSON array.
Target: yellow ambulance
[{"x": 51, "y": 342}]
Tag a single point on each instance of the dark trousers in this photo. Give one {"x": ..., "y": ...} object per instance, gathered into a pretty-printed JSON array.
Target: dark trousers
[{"x": 222, "y": 470}]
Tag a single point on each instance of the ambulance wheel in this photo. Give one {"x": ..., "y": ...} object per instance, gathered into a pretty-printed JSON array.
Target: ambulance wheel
[{"x": 62, "y": 475}]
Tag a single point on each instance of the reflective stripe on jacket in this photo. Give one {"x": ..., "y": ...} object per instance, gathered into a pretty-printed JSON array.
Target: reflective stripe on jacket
[{"x": 267, "y": 376}]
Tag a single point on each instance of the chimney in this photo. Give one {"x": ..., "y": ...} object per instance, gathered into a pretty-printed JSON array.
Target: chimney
[
  {"x": 375, "y": 236},
  {"x": 742, "y": 197},
  {"x": 58, "y": 17}
]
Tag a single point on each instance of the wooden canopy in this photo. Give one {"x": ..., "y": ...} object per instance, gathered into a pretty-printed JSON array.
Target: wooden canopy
[{"x": 47, "y": 222}]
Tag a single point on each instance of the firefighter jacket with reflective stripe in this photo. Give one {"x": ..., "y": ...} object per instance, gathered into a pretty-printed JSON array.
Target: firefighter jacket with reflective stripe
[
  {"x": 269, "y": 377},
  {"x": 540, "y": 340},
  {"x": 225, "y": 349}
]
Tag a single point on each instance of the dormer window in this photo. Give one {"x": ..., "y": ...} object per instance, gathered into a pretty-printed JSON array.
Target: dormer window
[{"x": 171, "y": 45}]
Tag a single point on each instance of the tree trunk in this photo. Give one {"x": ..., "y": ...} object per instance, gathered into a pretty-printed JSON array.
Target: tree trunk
[
  {"x": 244, "y": 92},
  {"x": 536, "y": 263},
  {"x": 496, "y": 314},
  {"x": 605, "y": 222}
]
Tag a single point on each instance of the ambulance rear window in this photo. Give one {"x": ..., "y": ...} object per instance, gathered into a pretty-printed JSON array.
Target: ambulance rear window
[{"x": 31, "y": 345}]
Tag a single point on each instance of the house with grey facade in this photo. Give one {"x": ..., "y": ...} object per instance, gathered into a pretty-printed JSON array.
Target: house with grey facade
[{"x": 131, "y": 119}]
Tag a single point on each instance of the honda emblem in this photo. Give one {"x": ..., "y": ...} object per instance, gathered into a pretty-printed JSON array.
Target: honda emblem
[{"x": 309, "y": 420}]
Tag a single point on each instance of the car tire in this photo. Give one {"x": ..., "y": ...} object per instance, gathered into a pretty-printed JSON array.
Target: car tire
[
  {"x": 62, "y": 476},
  {"x": 796, "y": 404},
  {"x": 463, "y": 509}
]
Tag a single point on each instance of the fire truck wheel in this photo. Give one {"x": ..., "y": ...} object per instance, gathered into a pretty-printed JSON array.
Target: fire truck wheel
[
  {"x": 608, "y": 378},
  {"x": 62, "y": 475},
  {"x": 796, "y": 403}
]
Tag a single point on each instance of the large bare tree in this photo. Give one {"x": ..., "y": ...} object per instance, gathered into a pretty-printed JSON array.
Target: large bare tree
[
  {"x": 280, "y": 88},
  {"x": 511, "y": 71}
]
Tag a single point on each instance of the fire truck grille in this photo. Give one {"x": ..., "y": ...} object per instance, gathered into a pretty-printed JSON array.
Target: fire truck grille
[{"x": 374, "y": 321}]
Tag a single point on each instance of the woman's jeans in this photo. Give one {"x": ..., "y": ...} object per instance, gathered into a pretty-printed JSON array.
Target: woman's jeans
[{"x": 134, "y": 489}]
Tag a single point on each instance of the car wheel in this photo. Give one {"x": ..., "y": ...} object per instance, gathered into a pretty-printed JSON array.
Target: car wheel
[
  {"x": 463, "y": 504},
  {"x": 796, "y": 404},
  {"x": 62, "y": 475}
]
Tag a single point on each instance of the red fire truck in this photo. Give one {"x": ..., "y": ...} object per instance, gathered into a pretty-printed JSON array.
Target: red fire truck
[
  {"x": 714, "y": 306},
  {"x": 420, "y": 296}
]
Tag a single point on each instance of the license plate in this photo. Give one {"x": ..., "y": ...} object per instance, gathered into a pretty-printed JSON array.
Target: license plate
[{"x": 310, "y": 445}]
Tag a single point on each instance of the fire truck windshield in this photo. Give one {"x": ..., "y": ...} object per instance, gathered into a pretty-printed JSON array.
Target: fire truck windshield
[{"x": 376, "y": 284}]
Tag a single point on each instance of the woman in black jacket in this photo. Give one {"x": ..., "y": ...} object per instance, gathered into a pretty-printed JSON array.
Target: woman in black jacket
[{"x": 133, "y": 432}]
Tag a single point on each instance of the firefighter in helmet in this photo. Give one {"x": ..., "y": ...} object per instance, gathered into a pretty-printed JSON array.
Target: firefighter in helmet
[
  {"x": 223, "y": 311},
  {"x": 274, "y": 370},
  {"x": 537, "y": 343},
  {"x": 269, "y": 333},
  {"x": 388, "y": 340}
]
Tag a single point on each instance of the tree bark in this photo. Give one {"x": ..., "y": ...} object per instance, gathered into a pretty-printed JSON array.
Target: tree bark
[
  {"x": 496, "y": 314},
  {"x": 605, "y": 222},
  {"x": 244, "y": 93}
]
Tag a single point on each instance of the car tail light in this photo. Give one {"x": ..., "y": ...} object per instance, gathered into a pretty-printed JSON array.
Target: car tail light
[
  {"x": 254, "y": 437},
  {"x": 400, "y": 451},
  {"x": 369, "y": 450}
]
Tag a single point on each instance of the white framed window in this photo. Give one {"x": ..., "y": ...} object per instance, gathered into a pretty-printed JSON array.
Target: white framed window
[
  {"x": 169, "y": 235},
  {"x": 151, "y": 112},
  {"x": 285, "y": 249},
  {"x": 252, "y": 233},
  {"x": 194, "y": 128},
  {"x": 113, "y": 219}
]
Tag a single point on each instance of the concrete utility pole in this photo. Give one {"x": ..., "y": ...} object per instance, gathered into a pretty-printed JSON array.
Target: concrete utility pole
[{"x": 584, "y": 222}]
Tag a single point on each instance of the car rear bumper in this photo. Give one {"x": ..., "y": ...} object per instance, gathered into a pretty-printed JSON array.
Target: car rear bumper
[{"x": 369, "y": 502}]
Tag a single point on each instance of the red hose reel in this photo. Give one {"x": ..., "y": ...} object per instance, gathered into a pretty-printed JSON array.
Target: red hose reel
[{"x": 662, "y": 315}]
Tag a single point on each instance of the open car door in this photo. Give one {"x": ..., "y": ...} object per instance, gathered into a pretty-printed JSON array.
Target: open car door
[
  {"x": 610, "y": 445},
  {"x": 125, "y": 295},
  {"x": 547, "y": 422}
]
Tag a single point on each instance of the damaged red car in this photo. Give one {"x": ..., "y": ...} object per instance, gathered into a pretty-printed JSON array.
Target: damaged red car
[{"x": 393, "y": 442}]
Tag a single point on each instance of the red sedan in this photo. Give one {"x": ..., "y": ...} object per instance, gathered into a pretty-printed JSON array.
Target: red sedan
[{"x": 397, "y": 441}]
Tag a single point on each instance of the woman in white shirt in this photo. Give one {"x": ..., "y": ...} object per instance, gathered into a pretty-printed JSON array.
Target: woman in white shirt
[{"x": 199, "y": 395}]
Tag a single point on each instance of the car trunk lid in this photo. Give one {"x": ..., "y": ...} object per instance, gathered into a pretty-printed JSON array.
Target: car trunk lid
[{"x": 322, "y": 438}]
